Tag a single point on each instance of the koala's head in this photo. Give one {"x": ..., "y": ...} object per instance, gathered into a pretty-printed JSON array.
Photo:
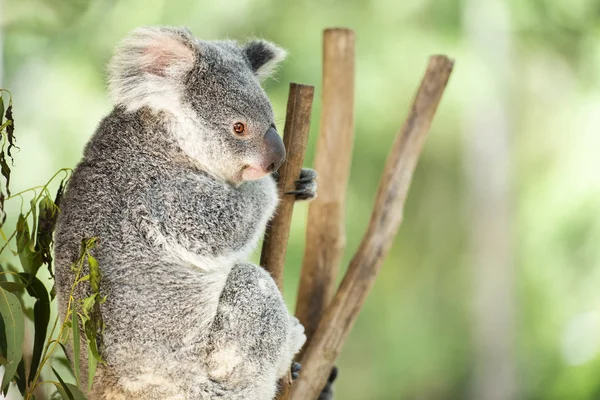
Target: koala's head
[{"x": 224, "y": 120}]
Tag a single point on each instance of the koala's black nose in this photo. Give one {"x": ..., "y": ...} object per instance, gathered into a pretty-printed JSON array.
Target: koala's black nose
[{"x": 275, "y": 152}]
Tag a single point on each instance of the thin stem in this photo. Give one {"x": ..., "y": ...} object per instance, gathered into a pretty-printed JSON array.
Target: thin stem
[
  {"x": 44, "y": 189},
  {"x": 35, "y": 188}
]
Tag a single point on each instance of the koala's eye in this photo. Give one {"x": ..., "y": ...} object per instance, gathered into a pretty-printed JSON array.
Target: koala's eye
[{"x": 239, "y": 128}]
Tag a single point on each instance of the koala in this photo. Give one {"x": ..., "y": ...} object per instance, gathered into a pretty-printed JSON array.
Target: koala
[{"x": 177, "y": 185}]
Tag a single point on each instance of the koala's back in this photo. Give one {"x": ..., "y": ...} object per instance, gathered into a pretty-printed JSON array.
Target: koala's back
[{"x": 94, "y": 201}]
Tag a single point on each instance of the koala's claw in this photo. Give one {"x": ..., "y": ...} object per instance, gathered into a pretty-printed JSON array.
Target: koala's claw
[
  {"x": 296, "y": 367},
  {"x": 327, "y": 392},
  {"x": 306, "y": 185}
]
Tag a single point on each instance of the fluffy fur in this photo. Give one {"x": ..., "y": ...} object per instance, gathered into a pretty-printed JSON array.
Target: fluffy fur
[{"x": 160, "y": 185}]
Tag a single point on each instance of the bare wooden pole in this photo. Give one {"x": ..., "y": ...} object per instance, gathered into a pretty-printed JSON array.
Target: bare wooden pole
[
  {"x": 295, "y": 137},
  {"x": 325, "y": 234},
  {"x": 385, "y": 220}
]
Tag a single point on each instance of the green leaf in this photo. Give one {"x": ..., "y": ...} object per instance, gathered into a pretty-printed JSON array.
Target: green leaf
[
  {"x": 63, "y": 389},
  {"x": 10, "y": 129},
  {"x": 41, "y": 319},
  {"x": 1, "y": 108},
  {"x": 30, "y": 259},
  {"x": 90, "y": 333},
  {"x": 32, "y": 206},
  {"x": 53, "y": 291},
  {"x": 21, "y": 381},
  {"x": 94, "y": 274},
  {"x": 46, "y": 222},
  {"x": 76, "y": 392},
  {"x": 88, "y": 304},
  {"x": 59, "y": 193},
  {"x": 76, "y": 344},
  {"x": 13, "y": 286},
  {"x": 68, "y": 391},
  {"x": 5, "y": 169},
  {"x": 92, "y": 364},
  {"x": 12, "y": 316},
  {"x": 64, "y": 361}
]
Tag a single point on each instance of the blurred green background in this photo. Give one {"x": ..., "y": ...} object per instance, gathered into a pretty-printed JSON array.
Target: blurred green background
[{"x": 491, "y": 289}]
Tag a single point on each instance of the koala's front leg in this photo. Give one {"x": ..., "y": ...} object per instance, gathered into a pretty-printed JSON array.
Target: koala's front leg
[
  {"x": 253, "y": 335},
  {"x": 306, "y": 185}
]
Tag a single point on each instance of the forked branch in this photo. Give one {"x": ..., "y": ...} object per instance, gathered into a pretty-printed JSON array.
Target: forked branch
[{"x": 385, "y": 220}]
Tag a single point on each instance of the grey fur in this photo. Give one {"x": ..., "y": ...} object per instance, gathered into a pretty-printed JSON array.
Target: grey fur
[{"x": 160, "y": 185}]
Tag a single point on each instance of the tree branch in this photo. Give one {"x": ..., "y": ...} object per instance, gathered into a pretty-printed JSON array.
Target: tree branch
[
  {"x": 385, "y": 220},
  {"x": 325, "y": 232},
  {"x": 295, "y": 138}
]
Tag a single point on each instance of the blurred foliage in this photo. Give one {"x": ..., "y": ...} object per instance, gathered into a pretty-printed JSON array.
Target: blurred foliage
[{"x": 413, "y": 338}]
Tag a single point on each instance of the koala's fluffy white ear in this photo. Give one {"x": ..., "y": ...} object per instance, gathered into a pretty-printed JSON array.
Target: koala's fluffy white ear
[
  {"x": 264, "y": 57},
  {"x": 148, "y": 67}
]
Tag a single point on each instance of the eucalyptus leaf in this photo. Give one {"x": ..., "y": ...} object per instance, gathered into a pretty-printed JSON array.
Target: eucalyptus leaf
[
  {"x": 1, "y": 108},
  {"x": 47, "y": 216},
  {"x": 21, "y": 381},
  {"x": 76, "y": 345},
  {"x": 59, "y": 193},
  {"x": 63, "y": 389},
  {"x": 33, "y": 208},
  {"x": 13, "y": 286},
  {"x": 12, "y": 317},
  {"x": 41, "y": 318},
  {"x": 92, "y": 364},
  {"x": 5, "y": 170},
  {"x": 94, "y": 274},
  {"x": 30, "y": 259},
  {"x": 76, "y": 392},
  {"x": 10, "y": 131},
  {"x": 90, "y": 330},
  {"x": 88, "y": 304},
  {"x": 53, "y": 292},
  {"x": 2, "y": 211}
]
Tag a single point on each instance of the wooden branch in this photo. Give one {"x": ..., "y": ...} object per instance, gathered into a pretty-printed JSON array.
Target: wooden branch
[
  {"x": 385, "y": 220},
  {"x": 295, "y": 137},
  {"x": 325, "y": 234}
]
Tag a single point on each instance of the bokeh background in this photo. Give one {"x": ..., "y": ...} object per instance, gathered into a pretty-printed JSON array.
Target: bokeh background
[{"x": 491, "y": 289}]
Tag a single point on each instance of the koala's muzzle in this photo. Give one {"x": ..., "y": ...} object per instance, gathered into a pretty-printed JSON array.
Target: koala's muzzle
[
  {"x": 275, "y": 154},
  {"x": 272, "y": 156}
]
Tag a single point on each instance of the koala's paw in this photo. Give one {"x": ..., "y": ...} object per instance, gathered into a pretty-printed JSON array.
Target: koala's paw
[
  {"x": 297, "y": 336},
  {"x": 306, "y": 186},
  {"x": 296, "y": 367},
  {"x": 327, "y": 392}
]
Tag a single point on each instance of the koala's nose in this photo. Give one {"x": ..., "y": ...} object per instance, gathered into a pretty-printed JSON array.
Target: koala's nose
[{"x": 275, "y": 152}]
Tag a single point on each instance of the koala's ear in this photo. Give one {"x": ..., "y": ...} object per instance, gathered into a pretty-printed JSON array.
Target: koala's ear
[
  {"x": 149, "y": 63},
  {"x": 264, "y": 57}
]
